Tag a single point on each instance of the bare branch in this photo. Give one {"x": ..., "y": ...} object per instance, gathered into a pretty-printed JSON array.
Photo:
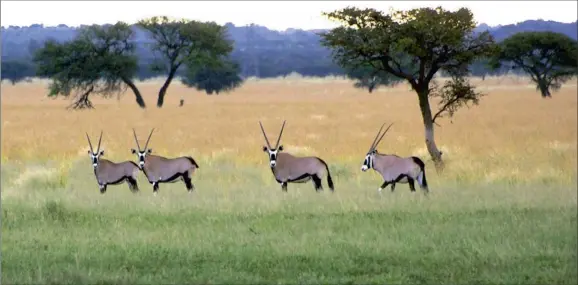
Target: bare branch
[
  {"x": 455, "y": 94},
  {"x": 82, "y": 101}
]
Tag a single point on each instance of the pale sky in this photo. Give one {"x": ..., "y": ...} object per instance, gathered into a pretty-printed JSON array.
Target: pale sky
[{"x": 278, "y": 15}]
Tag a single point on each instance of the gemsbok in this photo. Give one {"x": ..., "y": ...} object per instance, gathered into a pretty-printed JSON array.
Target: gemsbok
[
  {"x": 395, "y": 169},
  {"x": 111, "y": 173},
  {"x": 288, "y": 168},
  {"x": 160, "y": 169}
]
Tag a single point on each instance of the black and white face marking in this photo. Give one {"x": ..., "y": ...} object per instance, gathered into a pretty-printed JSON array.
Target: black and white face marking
[
  {"x": 142, "y": 153},
  {"x": 272, "y": 154},
  {"x": 141, "y": 156},
  {"x": 95, "y": 156},
  {"x": 368, "y": 162}
]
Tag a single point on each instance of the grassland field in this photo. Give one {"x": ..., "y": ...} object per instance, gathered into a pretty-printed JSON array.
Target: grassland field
[{"x": 503, "y": 212}]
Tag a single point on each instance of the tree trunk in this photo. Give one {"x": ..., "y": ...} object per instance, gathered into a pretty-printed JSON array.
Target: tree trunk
[
  {"x": 82, "y": 101},
  {"x": 426, "y": 114},
  {"x": 139, "y": 100},
  {"x": 163, "y": 90},
  {"x": 544, "y": 88}
]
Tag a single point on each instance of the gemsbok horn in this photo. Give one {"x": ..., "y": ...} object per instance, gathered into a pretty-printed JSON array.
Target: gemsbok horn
[
  {"x": 395, "y": 169},
  {"x": 160, "y": 169},
  {"x": 111, "y": 173},
  {"x": 288, "y": 168}
]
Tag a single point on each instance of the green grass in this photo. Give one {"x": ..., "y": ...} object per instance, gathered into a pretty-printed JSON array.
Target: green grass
[{"x": 57, "y": 229}]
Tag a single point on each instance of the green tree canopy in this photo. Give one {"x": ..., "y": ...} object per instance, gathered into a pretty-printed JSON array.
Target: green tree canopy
[
  {"x": 216, "y": 77},
  {"x": 549, "y": 58},
  {"x": 99, "y": 60},
  {"x": 414, "y": 45},
  {"x": 182, "y": 41}
]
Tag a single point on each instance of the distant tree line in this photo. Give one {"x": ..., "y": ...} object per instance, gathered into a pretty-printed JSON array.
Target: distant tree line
[{"x": 258, "y": 51}]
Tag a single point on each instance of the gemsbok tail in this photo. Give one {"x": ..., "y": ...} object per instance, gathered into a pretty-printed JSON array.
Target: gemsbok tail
[
  {"x": 421, "y": 177},
  {"x": 329, "y": 179},
  {"x": 192, "y": 161}
]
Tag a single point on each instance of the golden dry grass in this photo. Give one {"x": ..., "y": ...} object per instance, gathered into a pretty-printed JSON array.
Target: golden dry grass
[{"x": 512, "y": 134}]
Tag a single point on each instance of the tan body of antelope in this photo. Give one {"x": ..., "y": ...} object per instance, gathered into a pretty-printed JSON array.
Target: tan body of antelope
[
  {"x": 289, "y": 168},
  {"x": 111, "y": 173},
  {"x": 395, "y": 169},
  {"x": 160, "y": 169}
]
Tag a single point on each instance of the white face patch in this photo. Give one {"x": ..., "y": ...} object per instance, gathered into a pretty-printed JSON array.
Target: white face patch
[
  {"x": 94, "y": 159},
  {"x": 367, "y": 162},
  {"x": 141, "y": 158},
  {"x": 273, "y": 157}
]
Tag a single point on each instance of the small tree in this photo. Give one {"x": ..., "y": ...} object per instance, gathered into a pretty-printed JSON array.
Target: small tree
[
  {"x": 182, "y": 41},
  {"x": 549, "y": 58},
  {"x": 214, "y": 78},
  {"x": 413, "y": 46},
  {"x": 99, "y": 60},
  {"x": 16, "y": 70},
  {"x": 369, "y": 78}
]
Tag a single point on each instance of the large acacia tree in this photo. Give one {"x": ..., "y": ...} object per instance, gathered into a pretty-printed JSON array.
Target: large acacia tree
[
  {"x": 99, "y": 60},
  {"x": 183, "y": 41},
  {"x": 414, "y": 45},
  {"x": 549, "y": 58}
]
